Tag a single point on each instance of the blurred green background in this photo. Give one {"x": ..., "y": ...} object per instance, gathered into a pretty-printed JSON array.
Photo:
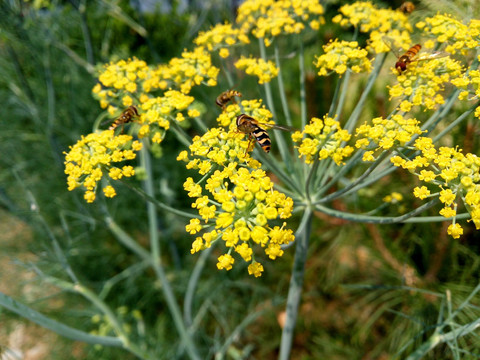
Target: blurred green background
[{"x": 355, "y": 304}]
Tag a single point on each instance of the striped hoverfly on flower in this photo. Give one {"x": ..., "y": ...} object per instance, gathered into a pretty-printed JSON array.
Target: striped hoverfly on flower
[
  {"x": 125, "y": 117},
  {"x": 224, "y": 98},
  {"x": 404, "y": 60},
  {"x": 255, "y": 130}
]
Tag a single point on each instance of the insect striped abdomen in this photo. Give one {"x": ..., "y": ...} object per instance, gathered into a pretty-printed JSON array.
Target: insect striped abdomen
[{"x": 262, "y": 138}]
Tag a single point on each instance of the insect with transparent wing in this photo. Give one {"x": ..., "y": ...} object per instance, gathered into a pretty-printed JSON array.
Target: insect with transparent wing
[
  {"x": 125, "y": 117},
  {"x": 404, "y": 60},
  {"x": 255, "y": 130}
]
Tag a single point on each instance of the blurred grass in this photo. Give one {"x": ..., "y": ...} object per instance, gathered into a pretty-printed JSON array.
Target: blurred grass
[{"x": 356, "y": 303}]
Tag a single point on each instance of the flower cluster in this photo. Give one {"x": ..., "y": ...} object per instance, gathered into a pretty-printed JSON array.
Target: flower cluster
[
  {"x": 343, "y": 55},
  {"x": 253, "y": 108},
  {"x": 264, "y": 70},
  {"x": 120, "y": 83},
  {"x": 454, "y": 174},
  {"x": 217, "y": 147},
  {"x": 240, "y": 206},
  {"x": 159, "y": 111},
  {"x": 367, "y": 18},
  {"x": 470, "y": 86},
  {"x": 220, "y": 36},
  {"x": 321, "y": 139},
  {"x": 451, "y": 31},
  {"x": 268, "y": 19},
  {"x": 380, "y": 23},
  {"x": 424, "y": 81},
  {"x": 386, "y": 134},
  {"x": 238, "y": 211},
  {"x": 94, "y": 156},
  {"x": 191, "y": 69}
]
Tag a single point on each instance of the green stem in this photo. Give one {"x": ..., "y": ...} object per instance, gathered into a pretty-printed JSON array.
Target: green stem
[
  {"x": 272, "y": 165},
  {"x": 104, "y": 308},
  {"x": 302, "y": 175},
  {"x": 281, "y": 87},
  {"x": 156, "y": 259},
  {"x": 87, "y": 38},
  {"x": 333, "y": 104},
  {"x": 343, "y": 97},
  {"x": 181, "y": 135},
  {"x": 433, "y": 121},
  {"x": 303, "y": 92},
  {"x": 296, "y": 284},
  {"x": 354, "y": 116},
  {"x": 352, "y": 185},
  {"x": 353, "y": 161},
  {"x": 282, "y": 146},
  {"x": 313, "y": 171},
  {"x": 192, "y": 285},
  {"x": 456, "y": 122},
  {"x": 126, "y": 239},
  {"x": 249, "y": 319},
  {"x": 59, "y": 328},
  {"x": 378, "y": 219},
  {"x": 158, "y": 203}
]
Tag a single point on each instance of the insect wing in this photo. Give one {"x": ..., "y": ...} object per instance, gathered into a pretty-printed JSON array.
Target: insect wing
[
  {"x": 275, "y": 126},
  {"x": 394, "y": 49},
  {"x": 431, "y": 56}
]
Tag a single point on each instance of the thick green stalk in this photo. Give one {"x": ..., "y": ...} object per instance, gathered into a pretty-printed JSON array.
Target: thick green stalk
[
  {"x": 156, "y": 259},
  {"x": 296, "y": 284}
]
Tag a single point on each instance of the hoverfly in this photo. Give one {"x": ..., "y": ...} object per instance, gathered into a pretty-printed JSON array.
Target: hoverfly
[
  {"x": 125, "y": 117},
  {"x": 407, "y": 7},
  {"x": 254, "y": 130},
  {"x": 411, "y": 56},
  {"x": 229, "y": 95}
]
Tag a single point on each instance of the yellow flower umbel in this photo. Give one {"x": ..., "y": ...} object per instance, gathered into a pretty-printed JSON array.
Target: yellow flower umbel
[
  {"x": 386, "y": 134},
  {"x": 160, "y": 111},
  {"x": 95, "y": 156},
  {"x": 470, "y": 86},
  {"x": 321, "y": 139},
  {"x": 343, "y": 55},
  {"x": 424, "y": 81},
  {"x": 269, "y": 18},
  {"x": 239, "y": 210},
  {"x": 218, "y": 147},
  {"x": 380, "y": 23},
  {"x": 120, "y": 83},
  {"x": 367, "y": 18},
  {"x": 220, "y": 36},
  {"x": 264, "y": 70},
  {"x": 455, "y": 175},
  {"x": 192, "y": 69},
  {"x": 451, "y": 31}
]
